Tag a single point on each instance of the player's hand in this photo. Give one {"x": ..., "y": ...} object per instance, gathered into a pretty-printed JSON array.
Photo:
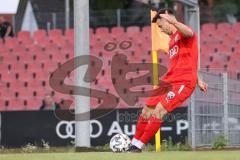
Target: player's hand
[
  {"x": 169, "y": 18},
  {"x": 203, "y": 86}
]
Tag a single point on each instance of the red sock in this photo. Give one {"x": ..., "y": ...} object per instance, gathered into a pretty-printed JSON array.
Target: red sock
[
  {"x": 140, "y": 127},
  {"x": 151, "y": 129}
]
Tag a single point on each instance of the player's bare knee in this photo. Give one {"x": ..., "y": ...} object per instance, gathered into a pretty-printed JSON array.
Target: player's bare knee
[
  {"x": 145, "y": 112},
  {"x": 160, "y": 111},
  {"x": 155, "y": 113}
]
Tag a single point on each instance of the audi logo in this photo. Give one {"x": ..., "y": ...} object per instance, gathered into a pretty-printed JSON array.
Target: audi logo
[{"x": 69, "y": 129}]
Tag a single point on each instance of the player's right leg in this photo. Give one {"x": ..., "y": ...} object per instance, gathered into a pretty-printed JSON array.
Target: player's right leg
[{"x": 145, "y": 130}]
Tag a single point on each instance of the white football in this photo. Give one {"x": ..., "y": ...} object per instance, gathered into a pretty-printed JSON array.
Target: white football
[{"x": 120, "y": 143}]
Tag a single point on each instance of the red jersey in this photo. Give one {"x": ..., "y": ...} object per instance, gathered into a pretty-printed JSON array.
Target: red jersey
[{"x": 183, "y": 53}]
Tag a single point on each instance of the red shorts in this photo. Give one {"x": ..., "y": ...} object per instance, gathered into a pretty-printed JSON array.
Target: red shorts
[{"x": 173, "y": 98}]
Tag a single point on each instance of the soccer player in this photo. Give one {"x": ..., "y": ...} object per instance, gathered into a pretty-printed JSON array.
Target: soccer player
[{"x": 181, "y": 75}]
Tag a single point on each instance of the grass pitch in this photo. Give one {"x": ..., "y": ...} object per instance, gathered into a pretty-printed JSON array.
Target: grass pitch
[{"x": 200, "y": 155}]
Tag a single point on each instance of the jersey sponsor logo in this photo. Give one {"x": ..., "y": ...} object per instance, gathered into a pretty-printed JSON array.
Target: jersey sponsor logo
[{"x": 173, "y": 51}]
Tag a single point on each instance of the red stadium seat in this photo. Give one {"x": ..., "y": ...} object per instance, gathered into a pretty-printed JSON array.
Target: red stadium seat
[
  {"x": 24, "y": 75},
  {"x": 205, "y": 66},
  {"x": 41, "y": 57},
  {"x": 102, "y": 33},
  {"x": 2, "y": 105},
  {"x": 68, "y": 52},
  {"x": 92, "y": 39},
  {"x": 17, "y": 85},
  {"x": 164, "y": 59},
  {"x": 133, "y": 32},
  {"x": 234, "y": 58},
  {"x": 34, "y": 104},
  {"x": 221, "y": 34},
  {"x": 221, "y": 48},
  {"x": 59, "y": 41},
  {"x": 55, "y": 33},
  {"x": 203, "y": 37},
  {"x": 69, "y": 34},
  {"x": 44, "y": 44},
  {"x": 42, "y": 76},
  {"x": 4, "y": 68},
  {"x": 3, "y": 48},
  {"x": 25, "y": 57},
  {"x": 50, "y": 47},
  {"x": 216, "y": 67},
  {"x": 32, "y": 49},
  {"x": 7, "y": 94},
  {"x": 224, "y": 26},
  {"x": 16, "y": 105},
  {"x": 233, "y": 67},
  {"x": 16, "y": 67},
  {"x": 46, "y": 86},
  {"x": 208, "y": 27},
  {"x": 57, "y": 57},
  {"x": 25, "y": 94},
  {"x": 207, "y": 49},
  {"x": 8, "y": 76},
  {"x": 146, "y": 32},
  {"x": 133, "y": 29},
  {"x": 19, "y": 50},
  {"x": 50, "y": 66},
  {"x": 40, "y": 36},
  {"x": 232, "y": 40},
  {"x": 220, "y": 58},
  {"x": 236, "y": 26},
  {"x": 117, "y": 32},
  {"x": 91, "y": 31},
  {"x": 34, "y": 67},
  {"x": 11, "y": 43},
  {"x": 9, "y": 58},
  {"x": 146, "y": 45},
  {"x": 35, "y": 84},
  {"x": 56, "y": 37},
  {"x": 24, "y": 37}
]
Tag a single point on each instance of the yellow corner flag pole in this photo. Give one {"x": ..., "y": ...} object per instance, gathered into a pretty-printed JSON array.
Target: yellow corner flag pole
[
  {"x": 155, "y": 78},
  {"x": 157, "y": 37},
  {"x": 155, "y": 83}
]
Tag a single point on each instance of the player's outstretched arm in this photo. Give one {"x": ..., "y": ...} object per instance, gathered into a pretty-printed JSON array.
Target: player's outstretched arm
[{"x": 182, "y": 28}]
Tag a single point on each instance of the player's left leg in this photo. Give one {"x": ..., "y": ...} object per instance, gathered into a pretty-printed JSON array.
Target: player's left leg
[
  {"x": 141, "y": 124},
  {"x": 154, "y": 124}
]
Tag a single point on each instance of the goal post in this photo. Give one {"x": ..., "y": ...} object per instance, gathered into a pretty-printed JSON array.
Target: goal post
[{"x": 81, "y": 47}]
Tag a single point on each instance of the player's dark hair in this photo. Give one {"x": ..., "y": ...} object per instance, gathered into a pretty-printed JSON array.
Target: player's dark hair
[{"x": 162, "y": 11}]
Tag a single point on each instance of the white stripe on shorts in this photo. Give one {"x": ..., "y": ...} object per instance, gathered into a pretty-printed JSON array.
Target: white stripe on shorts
[{"x": 181, "y": 89}]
